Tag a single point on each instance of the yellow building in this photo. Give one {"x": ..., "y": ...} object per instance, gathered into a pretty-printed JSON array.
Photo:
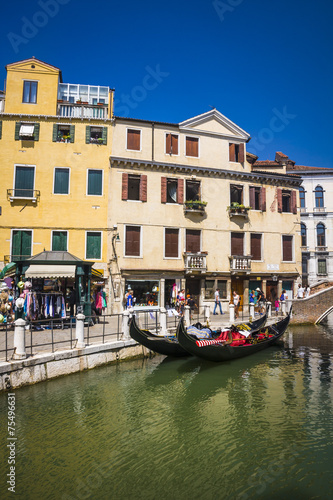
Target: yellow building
[
  {"x": 55, "y": 146},
  {"x": 190, "y": 209}
]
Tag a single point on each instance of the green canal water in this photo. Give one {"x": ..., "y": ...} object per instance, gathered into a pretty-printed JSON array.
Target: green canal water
[{"x": 259, "y": 427}]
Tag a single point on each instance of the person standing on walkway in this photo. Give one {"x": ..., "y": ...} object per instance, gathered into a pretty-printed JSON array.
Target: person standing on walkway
[
  {"x": 236, "y": 299},
  {"x": 129, "y": 300},
  {"x": 217, "y": 301},
  {"x": 307, "y": 291},
  {"x": 300, "y": 292}
]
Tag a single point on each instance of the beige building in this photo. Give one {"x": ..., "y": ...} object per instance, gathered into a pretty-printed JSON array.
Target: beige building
[{"x": 191, "y": 209}]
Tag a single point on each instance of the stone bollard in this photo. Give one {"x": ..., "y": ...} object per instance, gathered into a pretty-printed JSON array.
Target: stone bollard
[
  {"x": 252, "y": 311},
  {"x": 163, "y": 321},
  {"x": 207, "y": 314},
  {"x": 126, "y": 316},
  {"x": 283, "y": 307},
  {"x": 232, "y": 312},
  {"x": 187, "y": 315},
  {"x": 269, "y": 309},
  {"x": 19, "y": 339},
  {"x": 79, "y": 331}
]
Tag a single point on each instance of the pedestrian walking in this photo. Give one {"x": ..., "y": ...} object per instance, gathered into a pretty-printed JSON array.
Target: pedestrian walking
[{"x": 217, "y": 302}]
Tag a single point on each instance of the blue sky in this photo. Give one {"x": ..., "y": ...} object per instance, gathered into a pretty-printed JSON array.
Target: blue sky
[{"x": 266, "y": 65}]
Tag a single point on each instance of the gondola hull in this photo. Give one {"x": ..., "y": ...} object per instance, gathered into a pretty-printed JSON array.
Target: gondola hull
[
  {"x": 163, "y": 345},
  {"x": 219, "y": 352}
]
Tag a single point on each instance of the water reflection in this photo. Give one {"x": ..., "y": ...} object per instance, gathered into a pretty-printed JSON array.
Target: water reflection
[{"x": 258, "y": 427}]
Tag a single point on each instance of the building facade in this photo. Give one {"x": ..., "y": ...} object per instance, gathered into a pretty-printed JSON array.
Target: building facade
[{"x": 189, "y": 210}]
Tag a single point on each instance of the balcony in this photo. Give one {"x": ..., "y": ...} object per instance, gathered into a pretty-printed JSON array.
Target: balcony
[
  {"x": 82, "y": 110},
  {"x": 319, "y": 210},
  {"x": 238, "y": 210},
  {"x": 23, "y": 194},
  {"x": 195, "y": 262},
  {"x": 240, "y": 263},
  {"x": 195, "y": 206},
  {"x": 321, "y": 249}
]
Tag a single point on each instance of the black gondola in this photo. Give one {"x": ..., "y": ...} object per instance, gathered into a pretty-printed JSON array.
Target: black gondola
[
  {"x": 224, "y": 352},
  {"x": 169, "y": 345}
]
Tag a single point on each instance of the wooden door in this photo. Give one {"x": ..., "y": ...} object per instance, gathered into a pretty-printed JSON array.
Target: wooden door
[{"x": 237, "y": 286}]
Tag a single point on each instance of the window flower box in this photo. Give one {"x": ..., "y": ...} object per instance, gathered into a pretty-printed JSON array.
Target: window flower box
[{"x": 195, "y": 205}]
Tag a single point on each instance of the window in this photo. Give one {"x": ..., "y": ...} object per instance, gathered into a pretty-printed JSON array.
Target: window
[
  {"x": 171, "y": 144},
  {"x": 302, "y": 197},
  {"x": 133, "y": 140},
  {"x": 21, "y": 244},
  {"x": 287, "y": 201},
  {"x": 63, "y": 133},
  {"x": 94, "y": 245},
  {"x": 95, "y": 182},
  {"x": 29, "y": 92},
  {"x": 258, "y": 198},
  {"x": 322, "y": 266},
  {"x": 27, "y": 131},
  {"x": 24, "y": 181},
  {"x": 212, "y": 285},
  {"x": 237, "y": 153},
  {"x": 319, "y": 197},
  {"x": 134, "y": 187},
  {"x": 287, "y": 248},
  {"x": 193, "y": 241},
  {"x": 132, "y": 241},
  {"x": 236, "y": 194},
  {"x": 192, "y": 146},
  {"x": 305, "y": 260},
  {"x": 193, "y": 191},
  {"x": 96, "y": 135},
  {"x": 237, "y": 244},
  {"x": 303, "y": 235},
  {"x": 61, "y": 181},
  {"x": 256, "y": 246},
  {"x": 321, "y": 239},
  {"x": 59, "y": 241},
  {"x": 171, "y": 243},
  {"x": 172, "y": 190}
]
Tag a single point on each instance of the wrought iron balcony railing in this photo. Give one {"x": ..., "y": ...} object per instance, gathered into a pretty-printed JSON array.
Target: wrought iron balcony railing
[
  {"x": 195, "y": 262},
  {"x": 23, "y": 194},
  {"x": 240, "y": 263}
]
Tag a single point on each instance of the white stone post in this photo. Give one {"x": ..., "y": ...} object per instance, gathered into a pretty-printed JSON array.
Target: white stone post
[
  {"x": 207, "y": 313},
  {"x": 79, "y": 331},
  {"x": 232, "y": 312},
  {"x": 19, "y": 339},
  {"x": 187, "y": 315},
  {"x": 252, "y": 311},
  {"x": 126, "y": 335},
  {"x": 283, "y": 307},
  {"x": 269, "y": 309},
  {"x": 163, "y": 320}
]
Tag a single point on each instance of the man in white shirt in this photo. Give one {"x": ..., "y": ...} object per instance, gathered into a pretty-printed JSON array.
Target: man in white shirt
[
  {"x": 217, "y": 301},
  {"x": 300, "y": 292}
]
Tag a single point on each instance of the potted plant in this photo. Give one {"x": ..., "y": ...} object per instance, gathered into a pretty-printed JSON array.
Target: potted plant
[
  {"x": 195, "y": 204},
  {"x": 100, "y": 140}
]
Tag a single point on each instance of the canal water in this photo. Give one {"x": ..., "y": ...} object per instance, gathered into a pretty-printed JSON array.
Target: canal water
[{"x": 259, "y": 427}]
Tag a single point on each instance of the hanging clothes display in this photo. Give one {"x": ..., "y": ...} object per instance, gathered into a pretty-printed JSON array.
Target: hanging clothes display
[{"x": 38, "y": 305}]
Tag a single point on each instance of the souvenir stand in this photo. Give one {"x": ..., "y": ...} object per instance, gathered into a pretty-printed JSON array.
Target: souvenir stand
[{"x": 47, "y": 281}]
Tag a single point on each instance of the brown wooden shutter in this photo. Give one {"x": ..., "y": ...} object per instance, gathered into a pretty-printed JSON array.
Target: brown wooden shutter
[
  {"x": 294, "y": 202},
  {"x": 132, "y": 243},
  {"x": 171, "y": 242},
  {"x": 163, "y": 190},
  {"x": 279, "y": 199},
  {"x": 133, "y": 139},
  {"x": 180, "y": 192},
  {"x": 256, "y": 246},
  {"x": 252, "y": 197},
  {"x": 287, "y": 248},
  {"x": 168, "y": 144},
  {"x": 241, "y": 153},
  {"x": 237, "y": 244},
  {"x": 193, "y": 240},
  {"x": 174, "y": 144},
  {"x": 124, "y": 189},
  {"x": 143, "y": 188},
  {"x": 263, "y": 199},
  {"x": 232, "y": 152},
  {"x": 192, "y": 146}
]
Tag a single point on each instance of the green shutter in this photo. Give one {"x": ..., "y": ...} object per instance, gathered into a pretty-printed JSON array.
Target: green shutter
[
  {"x": 88, "y": 134},
  {"x": 0, "y": 130},
  {"x": 55, "y": 133},
  {"x": 95, "y": 182},
  {"x": 72, "y": 132},
  {"x": 17, "y": 131},
  {"x": 105, "y": 135},
  {"x": 24, "y": 181},
  {"x": 61, "y": 178},
  {"x": 21, "y": 244},
  {"x": 93, "y": 246},
  {"x": 36, "y": 132},
  {"x": 59, "y": 241}
]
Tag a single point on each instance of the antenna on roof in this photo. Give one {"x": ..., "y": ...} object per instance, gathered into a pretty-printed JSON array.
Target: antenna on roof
[{"x": 213, "y": 107}]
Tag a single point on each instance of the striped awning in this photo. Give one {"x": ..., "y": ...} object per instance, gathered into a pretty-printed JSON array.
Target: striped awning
[
  {"x": 97, "y": 273},
  {"x": 52, "y": 271}
]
